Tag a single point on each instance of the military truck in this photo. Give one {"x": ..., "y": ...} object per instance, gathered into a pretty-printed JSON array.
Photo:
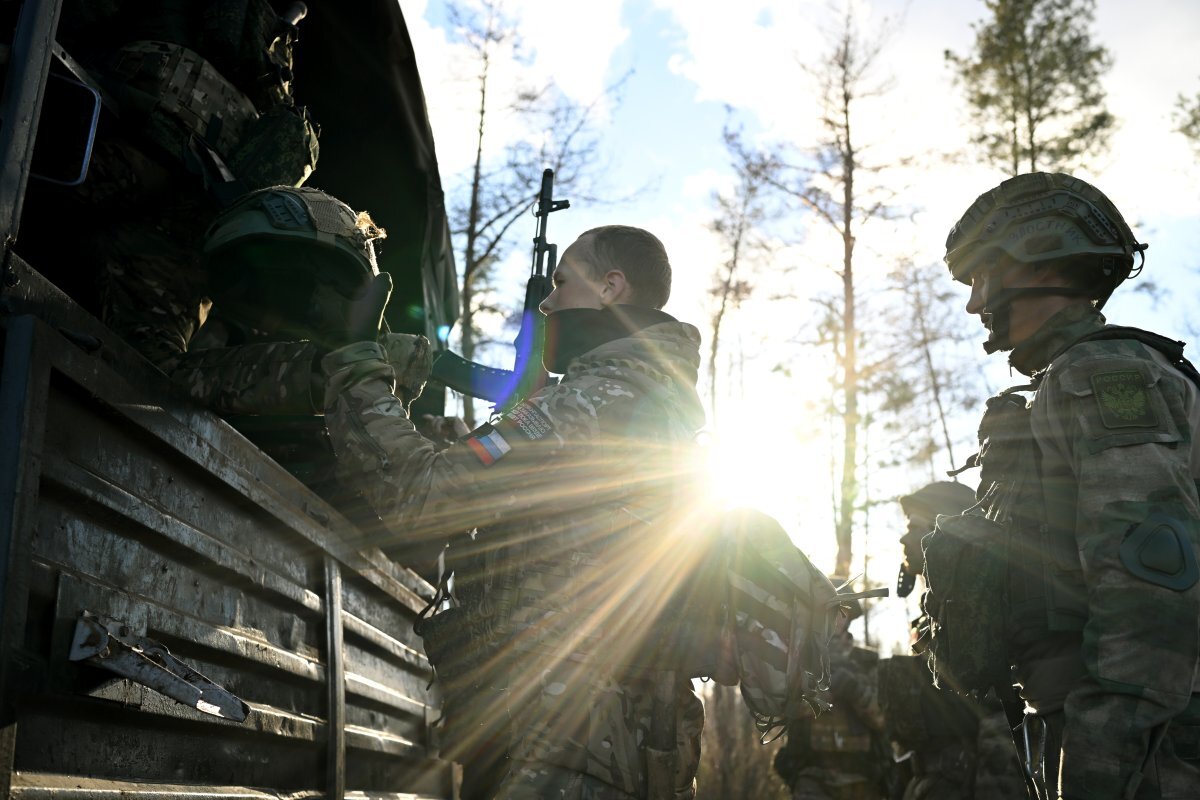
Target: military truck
[{"x": 163, "y": 573}]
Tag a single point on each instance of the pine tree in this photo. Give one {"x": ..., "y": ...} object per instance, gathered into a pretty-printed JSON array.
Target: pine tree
[
  {"x": 1032, "y": 83},
  {"x": 1187, "y": 118}
]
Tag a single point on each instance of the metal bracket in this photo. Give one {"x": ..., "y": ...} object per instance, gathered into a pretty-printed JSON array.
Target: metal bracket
[{"x": 110, "y": 644}]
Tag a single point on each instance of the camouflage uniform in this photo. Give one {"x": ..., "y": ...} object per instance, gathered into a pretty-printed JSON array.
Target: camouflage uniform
[
  {"x": 553, "y": 587},
  {"x": 1079, "y": 570},
  {"x": 1104, "y": 655},
  {"x": 146, "y": 203},
  {"x": 934, "y": 730},
  {"x": 840, "y": 755},
  {"x": 1104, "y": 647},
  {"x": 956, "y": 747}
]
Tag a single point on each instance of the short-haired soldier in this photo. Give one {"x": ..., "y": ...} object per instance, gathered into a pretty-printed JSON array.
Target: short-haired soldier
[{"x": 540, "y": 651}]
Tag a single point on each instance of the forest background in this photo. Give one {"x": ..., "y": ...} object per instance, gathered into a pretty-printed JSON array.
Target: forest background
[{"x": 844, "y": 372}]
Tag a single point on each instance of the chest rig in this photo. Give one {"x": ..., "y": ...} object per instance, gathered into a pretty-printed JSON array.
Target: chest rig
[
  {"x": 1003, "y": 571},
  {"x": 1044, "y": 590}
]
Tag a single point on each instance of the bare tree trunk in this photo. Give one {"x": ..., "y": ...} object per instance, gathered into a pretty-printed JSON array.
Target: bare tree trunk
[
  {"x": 471, "y": 260},
  {"x": 935, "y": 385},
  {"x": 850, "y": 417},
  {"x": 727, "y": 289}
]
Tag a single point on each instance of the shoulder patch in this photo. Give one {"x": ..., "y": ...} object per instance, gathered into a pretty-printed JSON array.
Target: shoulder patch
[
  {"x": 528, "y": 421},
  {"x": 525, "y": 423},
  {"x": 488, "y": 445},
  {"x": 1123, "y": 400}
]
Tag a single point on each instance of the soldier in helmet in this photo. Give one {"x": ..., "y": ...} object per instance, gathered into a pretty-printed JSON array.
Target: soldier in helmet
[
  {"x": 841, "y": 753},
  {"x": 300, "y": 265},
  {"x": 1088, "y": 474},
  {"x": 954, "y": 747},
  {"x": 198, "y": 110}
]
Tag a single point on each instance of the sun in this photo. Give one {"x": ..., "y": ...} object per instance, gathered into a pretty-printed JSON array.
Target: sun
[{"x": 783, "y": 474}]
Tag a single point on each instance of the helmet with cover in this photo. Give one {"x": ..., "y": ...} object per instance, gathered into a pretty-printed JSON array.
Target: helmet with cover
[
  {"x": 1041, "y": 217},
  {"x": 939, "y": 497},
  {"x": 289, "y": 261}
]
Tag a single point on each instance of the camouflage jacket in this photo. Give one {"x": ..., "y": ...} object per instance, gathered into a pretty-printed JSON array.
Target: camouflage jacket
[
  {"x": 563, "y": 492},
  {"x": 1104, "y": 606}
]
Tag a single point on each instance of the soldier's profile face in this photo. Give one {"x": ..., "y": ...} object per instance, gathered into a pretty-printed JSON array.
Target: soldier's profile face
[
  {"x": 920, "y": 522},
  {"x": 574, "y": 285},
  {"x": 1001, "y": 271}
]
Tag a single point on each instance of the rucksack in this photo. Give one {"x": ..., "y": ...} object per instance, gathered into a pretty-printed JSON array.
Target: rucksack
[{"x": 780, "y": 613}]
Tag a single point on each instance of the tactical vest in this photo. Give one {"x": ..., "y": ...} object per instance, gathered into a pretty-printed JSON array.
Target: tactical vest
[
  {"x": 1046, "y": 590},
  {"x": 1015, "y": 573}
]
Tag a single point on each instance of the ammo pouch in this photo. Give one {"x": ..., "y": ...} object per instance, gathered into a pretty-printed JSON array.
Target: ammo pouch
[
  {"x": 966, "y": 568},
  {"x": 173, "y": 94},
  {"x": 447, "y": 642}
]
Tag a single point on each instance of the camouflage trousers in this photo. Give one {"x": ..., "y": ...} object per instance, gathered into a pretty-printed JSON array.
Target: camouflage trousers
[
  {"x": 1172, "y": 774},
  {"x": 144, "y": 225}
]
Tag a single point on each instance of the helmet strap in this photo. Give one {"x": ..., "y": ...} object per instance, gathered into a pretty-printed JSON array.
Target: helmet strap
[{"x": 1000, "y": 309}]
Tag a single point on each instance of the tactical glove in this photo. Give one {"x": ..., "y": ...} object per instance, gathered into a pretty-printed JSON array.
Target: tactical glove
[
  {"x": 364, "y": 316},
  {"x": 411, "y": 357},
  {"x": 359, "y": 322}
]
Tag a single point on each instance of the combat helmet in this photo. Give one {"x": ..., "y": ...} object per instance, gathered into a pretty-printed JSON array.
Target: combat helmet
[
  {"x": 288, "y": 260},
  {"x": 940, "y": 497},
  {"x": 1039, "y": 217}
]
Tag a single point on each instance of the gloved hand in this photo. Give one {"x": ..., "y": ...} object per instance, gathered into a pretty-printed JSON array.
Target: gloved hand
[
  {"x": 411, "y": 358},
  {"x": 340, "y": 321},
  {"x": 364, "y": 316}
]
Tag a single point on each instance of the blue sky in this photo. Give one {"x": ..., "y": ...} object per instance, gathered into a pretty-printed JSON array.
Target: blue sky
[{"x": 691, "y": 59}]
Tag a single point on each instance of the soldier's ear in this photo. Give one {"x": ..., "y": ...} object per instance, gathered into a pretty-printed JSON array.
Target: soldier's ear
[{"x": 615, "y": 288}]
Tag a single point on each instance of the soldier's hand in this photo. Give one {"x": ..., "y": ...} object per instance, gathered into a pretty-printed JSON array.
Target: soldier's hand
[
  {"x": 364, "y": 314},
  {"x": 442, "y": 431},
  {"x": 410, "y": 357}
]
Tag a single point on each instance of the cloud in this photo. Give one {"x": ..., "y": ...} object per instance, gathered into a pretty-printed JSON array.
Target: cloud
[{"x": 550, "y": 50}]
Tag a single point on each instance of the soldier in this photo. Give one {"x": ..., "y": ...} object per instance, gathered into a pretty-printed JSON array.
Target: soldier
[
  {"x": 841, "y": 754},
  {"x": 200, "y": 111},
  {"x": 955, "y": 747},
  {"x": 294, "y": 262},
  {"x": 540, "y": 646},
  {"x": 1088, "y": 484}
]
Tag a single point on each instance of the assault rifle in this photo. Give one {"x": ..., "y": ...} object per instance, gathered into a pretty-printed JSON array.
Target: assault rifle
[{"x": 505, "y": 388}]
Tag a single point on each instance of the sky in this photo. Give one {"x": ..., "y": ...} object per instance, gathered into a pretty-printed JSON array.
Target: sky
[{"x": 692, "y": 66}]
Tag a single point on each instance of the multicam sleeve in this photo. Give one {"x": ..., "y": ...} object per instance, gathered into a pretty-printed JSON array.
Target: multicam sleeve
[
  {"x": 1122, "y": 425},
  {"x": 498, "y": 471},
  {"x": 259, "y": 378}
]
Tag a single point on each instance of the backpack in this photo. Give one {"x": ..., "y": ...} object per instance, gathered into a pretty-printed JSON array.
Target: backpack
[{"x": 779, "y": 613}]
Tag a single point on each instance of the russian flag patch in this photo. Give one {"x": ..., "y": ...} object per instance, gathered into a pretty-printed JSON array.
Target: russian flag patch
[{"x": 489, "y": 447}]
